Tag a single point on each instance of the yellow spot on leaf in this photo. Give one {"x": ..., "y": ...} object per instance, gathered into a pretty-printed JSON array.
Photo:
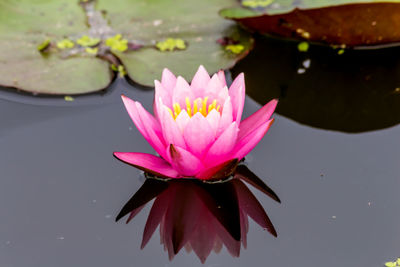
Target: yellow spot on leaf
[
  {"x": 236, "y": 48},
  {"x": 42, "y": 46},
  {"x": 68, "y": 98},
  {"x": 121, "y": 71},
  {"x": 171, "y": 44},
  {"x": 64, "y": 44},
  {"x": 303, "y": 47},
  {"x": 117, "y": 43},
  {"x": 257, "y": 3},
  {"x": 92, "y": 51},
  {"x": 87, "y": 41}
]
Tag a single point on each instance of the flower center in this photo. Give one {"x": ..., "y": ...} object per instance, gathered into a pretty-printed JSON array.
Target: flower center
[{"x": 198, "y": 105}]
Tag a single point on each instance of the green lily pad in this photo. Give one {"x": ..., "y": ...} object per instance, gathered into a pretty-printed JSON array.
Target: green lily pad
[
  {"x": 195, "y": 27},
  {"x": 348, "y": 22},
  {"x": 25, "y": 26},
  {"x": 66, "y": 47}
]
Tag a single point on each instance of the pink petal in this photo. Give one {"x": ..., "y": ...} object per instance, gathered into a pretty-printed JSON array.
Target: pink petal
[
  {"x": 148, "y": 163},
  {"x": 161, "y": 93},
  {"x": 247, "y": 143},
  {"x": 213, "y": 120},
  {"x": 182, "y": 120},
  {"x": 226, "y": 116},
  {"x": 172, "y": 133},
  {"x": 184, "y": 162},
  {"x": 150, "y": 130},
  {"x": 181, "y": 91},
  {"x": 219, "y": 171},
  {"x": 256, "y": 119},
  {"x": 168, "y": 80},
  {"x": 214, "y": 86},
  {"x": 237, "y": 94},
  {"x": 220, "y": 149},
  {"x": 200, "y": 81},
  {"x": 221, "y": 76},
  {"x": 198, "y": 135}
]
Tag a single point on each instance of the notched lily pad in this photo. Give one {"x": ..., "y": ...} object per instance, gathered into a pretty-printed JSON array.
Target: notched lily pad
[
  {"x": 67, "y": 47},
  {"x": 349, "y": 22},
  {"x": 27, "y": 28}
]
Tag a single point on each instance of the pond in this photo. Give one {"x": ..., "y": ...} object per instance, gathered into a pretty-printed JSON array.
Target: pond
[{"x": 332, "y": 157}]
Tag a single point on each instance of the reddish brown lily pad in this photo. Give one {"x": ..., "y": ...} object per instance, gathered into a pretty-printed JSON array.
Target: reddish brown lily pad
[{"x": 344, "y": 22}]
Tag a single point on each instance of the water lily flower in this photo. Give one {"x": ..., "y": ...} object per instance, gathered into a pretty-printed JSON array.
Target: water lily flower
[{"x": 196, "y": 129}]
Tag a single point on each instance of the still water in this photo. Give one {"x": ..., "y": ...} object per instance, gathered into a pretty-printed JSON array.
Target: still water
[{"x": 332, "y": 156}]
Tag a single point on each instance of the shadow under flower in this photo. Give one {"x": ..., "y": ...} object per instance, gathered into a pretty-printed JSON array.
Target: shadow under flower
[{"x": 201, "y": 216}]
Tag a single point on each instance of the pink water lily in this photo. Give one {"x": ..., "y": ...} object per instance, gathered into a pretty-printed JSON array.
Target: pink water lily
[{"x": 196, "y": 129}]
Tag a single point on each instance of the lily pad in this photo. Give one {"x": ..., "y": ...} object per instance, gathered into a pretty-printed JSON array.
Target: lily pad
[
  {"x": 339, "y": 22},
  {"x": 67, "y": 47},
  {"x": 196, "y": 23},
  {"x": 24, "y": 26}
]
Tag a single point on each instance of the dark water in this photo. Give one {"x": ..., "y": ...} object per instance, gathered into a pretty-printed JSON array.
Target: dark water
[{"x": 61, "y": 188}]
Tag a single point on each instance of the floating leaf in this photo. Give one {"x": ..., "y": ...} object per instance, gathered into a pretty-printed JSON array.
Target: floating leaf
[
  {"x": 92, "y": 51},
  {"x": 87, "y": 41},
  {"x": 24, "y": 24},
  {"x": 197, "y": 23},
  {"x": 256, "y": 3},
  {"x": 390, "y": 264},
  {"x": 64, "y": 44},
  {"x": 350, "y": 22},
  {"x": 121, "y": 71},
  {"x": 68, "y": 98},
  {"x": 117, "y": 43},
  {"x": 236, "y": 49},
  {"x": 42, "y": 46},
  {"x": 171, "y": 44}
]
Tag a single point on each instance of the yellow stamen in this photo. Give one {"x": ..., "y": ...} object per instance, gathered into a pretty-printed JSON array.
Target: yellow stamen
[
  {"x": 177, "y": 109},
  {"x": 204, "y": 107},
  {"x": 194, "y": 107},
  {"x": 188, "y": 107},
  {"x": 212, "y": 106},
  {"x": 199, "y": 105},
  {"x": 170, "y": 112}
]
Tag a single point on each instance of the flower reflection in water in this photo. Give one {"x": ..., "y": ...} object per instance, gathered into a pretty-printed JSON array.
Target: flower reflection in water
[{"x": 201, "y": 216}]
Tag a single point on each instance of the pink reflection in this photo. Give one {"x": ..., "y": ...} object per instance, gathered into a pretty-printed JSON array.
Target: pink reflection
[{"x": 199, "y": 216}]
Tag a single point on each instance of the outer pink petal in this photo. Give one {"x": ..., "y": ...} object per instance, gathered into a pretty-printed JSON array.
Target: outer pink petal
[
  {"x": 161, "y": 93},
  {"x": 200, "y": 81},
  {"x": 198, "y": 135},
  {"x": 221, "y": 148},
  {"x": 184, "y": 162},
  {"x": 151, "y": 130},
  {"x": 226, "y": 116},
  {"x": 168, "y": 80},
  {"x": 247, "y": 143},
  {"x": 181, "y": 91},
  {"x": 256, "y": 119},
  {"x": 221, "y": 76},
  {"x": 237, "y": 93},
  {"x": 148, "y": 163},
  {"x": 172, "y": 133}
]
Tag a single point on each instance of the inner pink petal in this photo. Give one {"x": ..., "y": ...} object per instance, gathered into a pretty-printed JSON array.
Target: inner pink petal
[
  {"x": 226, "y": 116},
  {"x": 181, "y": 91},
  {"x": 198, "y": 135},
  {"x": 172, "y": 133},
  {"x": 200, "y": 81}
]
